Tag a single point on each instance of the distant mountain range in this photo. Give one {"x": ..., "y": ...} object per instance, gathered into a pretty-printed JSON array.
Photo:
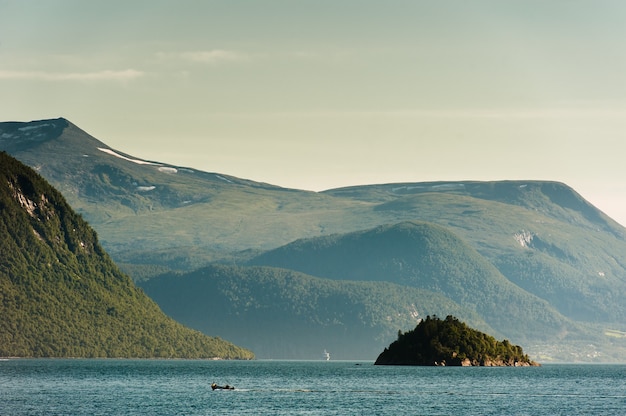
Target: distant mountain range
[{"x": 532, "y": 261}]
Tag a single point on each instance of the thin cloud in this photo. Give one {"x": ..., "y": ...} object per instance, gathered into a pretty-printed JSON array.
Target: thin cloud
[
  {"x": 215, "y": 56},
  {"x": 106, "y": 75}
]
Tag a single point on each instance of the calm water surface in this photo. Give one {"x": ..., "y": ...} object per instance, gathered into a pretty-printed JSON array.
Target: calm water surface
[{"x": 179, "y": 387}]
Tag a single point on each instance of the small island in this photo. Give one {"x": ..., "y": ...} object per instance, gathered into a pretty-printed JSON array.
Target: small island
[{"x": 450, "y": 342}]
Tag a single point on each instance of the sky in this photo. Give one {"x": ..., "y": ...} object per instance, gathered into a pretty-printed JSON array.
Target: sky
[{"x": 323, "y": 94}]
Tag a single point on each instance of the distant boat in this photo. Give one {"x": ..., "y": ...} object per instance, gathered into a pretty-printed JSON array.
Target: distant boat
[
  {"x": 326, "y": 355},
  {"x": 226, "y": 387}
]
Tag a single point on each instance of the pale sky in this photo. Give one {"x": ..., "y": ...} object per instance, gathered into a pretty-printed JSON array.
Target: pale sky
[{"x": 321, "y": 94}]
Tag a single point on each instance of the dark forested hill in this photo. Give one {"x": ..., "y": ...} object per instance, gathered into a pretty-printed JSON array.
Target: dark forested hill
[
  {"x": 61, "y": 295},
  {"x": 444, "y": 342},
  {"x": 285, "y": 314}
]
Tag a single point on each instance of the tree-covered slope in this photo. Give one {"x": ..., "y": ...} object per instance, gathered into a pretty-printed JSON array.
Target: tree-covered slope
[
  {"x": 285, "y": 314},
  {"x": 427, "y": 256},
  {"x": 61, "y": 295}
]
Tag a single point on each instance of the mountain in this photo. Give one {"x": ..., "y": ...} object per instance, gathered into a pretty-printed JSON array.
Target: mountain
[
  {"x": 427, "y": 256},
  {"x": 136, "y": 204},
  {"x": 542, "y": 237},
  {"x": 280, "y": 313},
  {"x": 62, "y": 296}
]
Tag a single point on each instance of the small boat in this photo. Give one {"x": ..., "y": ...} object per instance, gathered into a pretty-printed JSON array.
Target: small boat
[
  {"x": 326, "y": 355},
  {"x": 226, "y": 387}
]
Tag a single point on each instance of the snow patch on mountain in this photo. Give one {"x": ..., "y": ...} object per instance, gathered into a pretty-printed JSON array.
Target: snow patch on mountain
[
  {"x": 437, "y": 187},
  {"x": 223, "y": 178},
  {"x": 146, "y": 188},
  {"x": 405, "y": 188},
  {"x": 37, "y": 126},
  {"x": 137, "y": 161},
  {"x": 524, "y": 238},
  {"x": 448, "y": 186}
]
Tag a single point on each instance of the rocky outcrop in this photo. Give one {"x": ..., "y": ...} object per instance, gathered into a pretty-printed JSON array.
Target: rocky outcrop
[{"x": 486, "y": 362}]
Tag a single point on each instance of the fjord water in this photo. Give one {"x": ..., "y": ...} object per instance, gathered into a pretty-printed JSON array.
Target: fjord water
[{"x": 180, "y": 387}]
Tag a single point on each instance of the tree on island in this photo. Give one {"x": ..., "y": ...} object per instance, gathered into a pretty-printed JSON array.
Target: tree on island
[{"x": 451, "y": 342}]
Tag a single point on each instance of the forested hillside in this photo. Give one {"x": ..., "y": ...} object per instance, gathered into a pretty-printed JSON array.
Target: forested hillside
[
  {"x": 427, "y": 256},
  {"x": 285, "y": 314},
  {"x": 62, "y": 296}
]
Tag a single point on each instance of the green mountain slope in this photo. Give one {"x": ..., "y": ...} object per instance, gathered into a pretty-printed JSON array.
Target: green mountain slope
[
  {"x": 542, "y": 236},
  {"x": 427, "y": 256},
  {"x": 284, "y": 314},
  {"x": 61, "y": 295}
]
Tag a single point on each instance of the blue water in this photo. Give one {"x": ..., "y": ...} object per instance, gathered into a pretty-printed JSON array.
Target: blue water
[{"x": 179, "y": 387}]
